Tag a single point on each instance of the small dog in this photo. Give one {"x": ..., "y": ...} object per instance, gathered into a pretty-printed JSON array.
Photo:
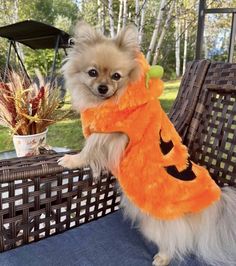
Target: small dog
[{"x": 98, "y": 69}]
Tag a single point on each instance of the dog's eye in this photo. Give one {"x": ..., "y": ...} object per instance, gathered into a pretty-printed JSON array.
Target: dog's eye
[
  {"x": 116, "y": 76},
  {"x": 93, "y": 73}
]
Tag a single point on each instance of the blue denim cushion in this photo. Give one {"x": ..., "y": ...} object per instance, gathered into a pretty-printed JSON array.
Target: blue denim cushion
[{"x": 109, "y": 241}]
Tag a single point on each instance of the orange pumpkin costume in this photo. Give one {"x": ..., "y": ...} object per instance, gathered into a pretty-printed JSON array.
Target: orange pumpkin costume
[{"x": 147, "y": 174}]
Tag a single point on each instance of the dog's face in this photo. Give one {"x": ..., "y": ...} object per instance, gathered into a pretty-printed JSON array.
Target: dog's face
[
  {"x": 99, "y": 68},
  {"x": 105, "y": 70}
]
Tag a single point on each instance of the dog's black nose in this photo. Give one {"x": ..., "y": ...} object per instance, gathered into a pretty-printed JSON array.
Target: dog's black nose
[{"x": 103, "y": 89}]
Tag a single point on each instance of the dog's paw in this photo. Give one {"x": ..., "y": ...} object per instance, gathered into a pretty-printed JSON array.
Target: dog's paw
[
  {"x": 71, "y": 161},
  {"x": 160, "y": 259}
]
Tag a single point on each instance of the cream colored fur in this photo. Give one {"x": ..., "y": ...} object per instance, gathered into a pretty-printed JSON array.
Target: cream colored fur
[{"x": 211, "y": 234}]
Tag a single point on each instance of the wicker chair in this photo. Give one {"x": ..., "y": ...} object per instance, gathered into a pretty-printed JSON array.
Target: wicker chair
[{"x": 39, "y": 199}]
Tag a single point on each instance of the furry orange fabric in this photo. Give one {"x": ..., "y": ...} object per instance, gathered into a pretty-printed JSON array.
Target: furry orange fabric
[{"x": 143, "y": 168}]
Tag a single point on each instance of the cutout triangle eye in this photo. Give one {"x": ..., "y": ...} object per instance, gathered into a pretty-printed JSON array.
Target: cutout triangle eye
[{"x": 165, "y": 146}]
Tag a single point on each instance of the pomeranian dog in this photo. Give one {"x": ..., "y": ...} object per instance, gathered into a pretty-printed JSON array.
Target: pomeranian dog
[{"x": 97, "y": 69}]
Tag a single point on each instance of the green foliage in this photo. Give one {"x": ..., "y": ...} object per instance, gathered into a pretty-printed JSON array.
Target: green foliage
[
  {"x": 42, "y": 60},
  {"x": 5, "y": 139},
  {"x": 3, "y": 53},
  {"x": 39, "y": 59},
  {"x": 90, "y": 16}
]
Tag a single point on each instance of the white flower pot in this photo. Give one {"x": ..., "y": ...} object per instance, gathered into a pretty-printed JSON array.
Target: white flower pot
[{"x": 27, "y": 145}]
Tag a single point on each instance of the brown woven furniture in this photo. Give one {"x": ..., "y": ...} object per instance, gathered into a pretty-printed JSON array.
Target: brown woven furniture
[
  {"x": 211, "y": 136},
  {"x": 183, "y": 108},
  {"x": 38, "y": 198}
]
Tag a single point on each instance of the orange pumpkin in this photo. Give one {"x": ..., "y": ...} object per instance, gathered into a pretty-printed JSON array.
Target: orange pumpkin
[{"x": 155, "y": 172}]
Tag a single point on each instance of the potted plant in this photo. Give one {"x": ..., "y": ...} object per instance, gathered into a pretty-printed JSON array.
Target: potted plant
[{"x": 27, "y": 109}]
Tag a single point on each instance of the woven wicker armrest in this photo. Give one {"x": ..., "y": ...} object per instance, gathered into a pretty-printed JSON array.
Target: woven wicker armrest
[
  {"x": 39, "y": 198},
  {"x": 188, "y": 95},
  {"x": 211, "y": 136}
]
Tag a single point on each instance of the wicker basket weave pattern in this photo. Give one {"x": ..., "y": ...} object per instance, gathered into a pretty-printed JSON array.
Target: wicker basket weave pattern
[
  {"x": 38, "y": 198},
  {"x": 212, "y": 134},
  {"x": 183, "y": 108}
]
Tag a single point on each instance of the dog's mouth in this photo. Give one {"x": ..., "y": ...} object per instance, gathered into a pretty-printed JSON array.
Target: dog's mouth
[
  {"x": 105, "y": 97},
  {"x": 100, "y": 95}
]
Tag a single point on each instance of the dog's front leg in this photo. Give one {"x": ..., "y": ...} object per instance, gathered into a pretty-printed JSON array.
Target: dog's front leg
[
  {"x": 91, "y": 155},
  {"x": 101, "y": 152}
]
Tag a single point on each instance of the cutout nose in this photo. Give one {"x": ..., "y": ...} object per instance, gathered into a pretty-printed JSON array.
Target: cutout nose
[{"x": 103, "y": 89}]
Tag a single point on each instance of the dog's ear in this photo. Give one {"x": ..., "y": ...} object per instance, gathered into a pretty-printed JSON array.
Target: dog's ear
[
  {"x": 85, "y": 34},
  {"x": 127, "y": 39}
]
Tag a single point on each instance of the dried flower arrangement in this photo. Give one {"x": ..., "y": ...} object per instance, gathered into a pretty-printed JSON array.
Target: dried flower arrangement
[{"x": 27, "y": 108}]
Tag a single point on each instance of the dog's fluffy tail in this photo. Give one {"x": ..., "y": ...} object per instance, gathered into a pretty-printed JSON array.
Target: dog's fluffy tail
[{"x": 216, "y": 239}]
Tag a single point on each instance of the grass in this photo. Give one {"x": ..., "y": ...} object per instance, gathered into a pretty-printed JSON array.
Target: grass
[
  {"x": 169, "y": 94},
  {"x": 68, "y": 133}
]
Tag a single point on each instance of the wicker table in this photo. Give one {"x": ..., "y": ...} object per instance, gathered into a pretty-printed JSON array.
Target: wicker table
[{"x": 39, "y": 198}]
